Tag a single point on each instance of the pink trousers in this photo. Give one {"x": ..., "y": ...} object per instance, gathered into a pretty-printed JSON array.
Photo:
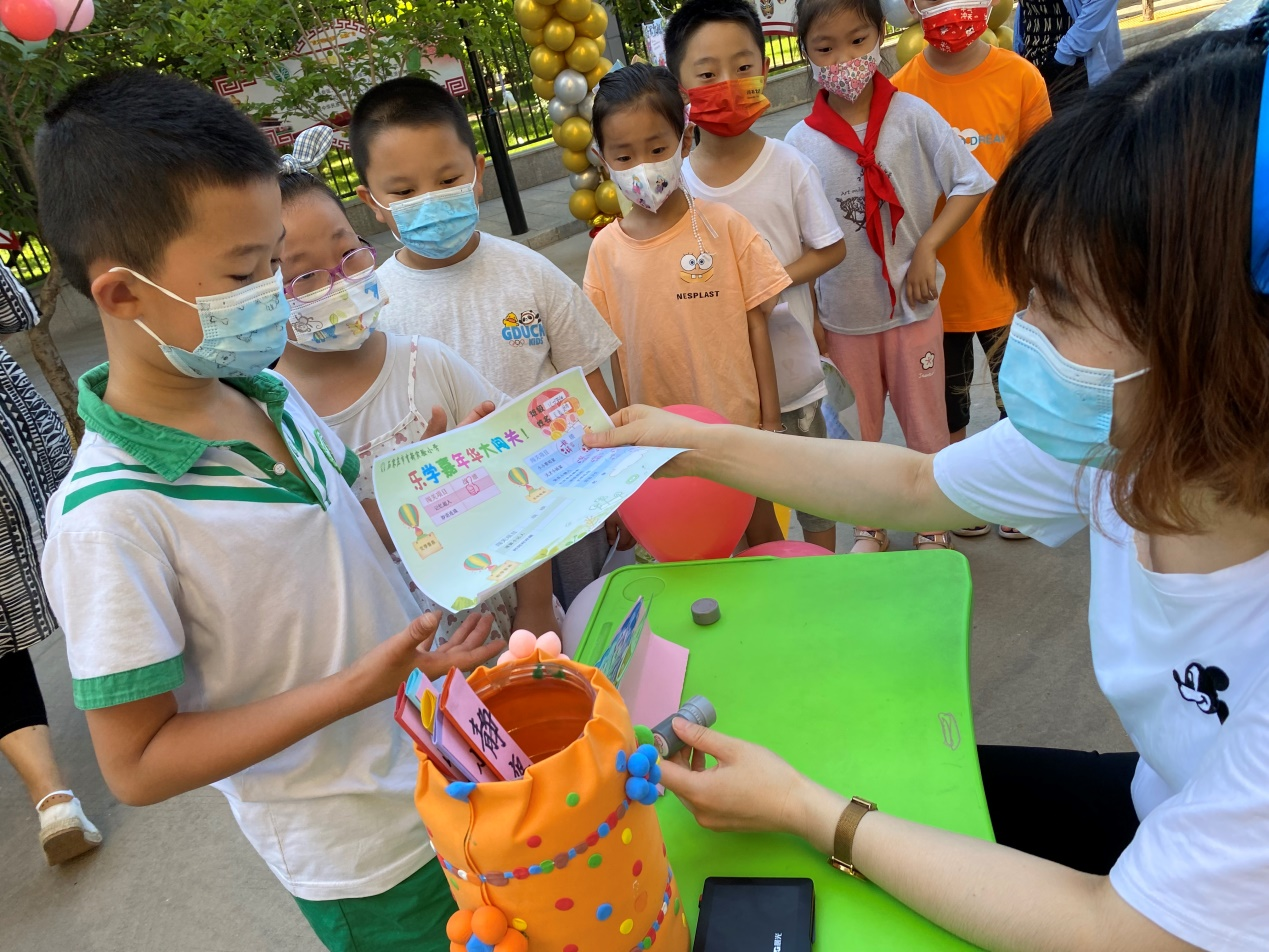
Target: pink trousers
[{"x": 907, "y": 364}]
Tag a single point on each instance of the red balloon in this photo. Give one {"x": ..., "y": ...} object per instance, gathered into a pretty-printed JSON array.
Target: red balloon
[
  {"x": 29, "y": 20},
  {"x": 688, "y": 518},
  {"x": 785, "y": 549}
]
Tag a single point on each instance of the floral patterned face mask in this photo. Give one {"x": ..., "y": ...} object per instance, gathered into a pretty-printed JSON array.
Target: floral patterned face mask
[
  {"x": 648, "y": 185},
  {"x": 850, "y": 78}
]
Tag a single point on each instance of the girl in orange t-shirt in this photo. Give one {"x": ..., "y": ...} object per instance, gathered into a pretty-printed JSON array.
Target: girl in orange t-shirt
[{"x": 687, "y": 285}]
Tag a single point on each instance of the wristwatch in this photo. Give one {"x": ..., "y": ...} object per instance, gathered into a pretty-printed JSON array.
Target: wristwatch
[{"x": 844, "y": 838}]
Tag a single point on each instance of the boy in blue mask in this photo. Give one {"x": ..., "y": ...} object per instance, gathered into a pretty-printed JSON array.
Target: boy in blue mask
[
  {"x": 504, "y": 308},
  {"x": 231, "y": 617}
]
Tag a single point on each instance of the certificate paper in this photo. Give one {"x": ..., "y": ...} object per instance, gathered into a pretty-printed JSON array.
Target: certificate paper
[{"x": 474, "y": 509}]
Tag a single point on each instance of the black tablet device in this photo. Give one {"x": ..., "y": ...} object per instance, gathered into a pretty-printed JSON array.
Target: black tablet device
[{"x": 756, "y": 915}]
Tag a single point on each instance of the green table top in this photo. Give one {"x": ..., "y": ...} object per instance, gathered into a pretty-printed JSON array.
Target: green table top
[{"x": 853, "y": 668}]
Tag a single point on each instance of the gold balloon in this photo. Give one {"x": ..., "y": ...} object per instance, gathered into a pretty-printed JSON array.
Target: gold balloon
[
  {"x": 558, "y": 34},
  {"x": 531, "y": 37},
  {"x": 583, "y": 54},
  {"x": 595, "y": 24},
  {"x": 530, "y": 14},
  {"x": 575, "y": 162},
  {"x": 989, "y": 38},
  {"x": 573, "y": 10},
  {"x": 545, "y": 62},
  {"x": 1005, "y": 35},
  {"x": 594, "y": 75},
  {"x": 911, "y": 42},
  {"x": 574, "y": 134},
  {"x": 581, "y": 204},
  {"x": 606, "y": 198},
  {"x": 603, "y": 44},
  {"x": 1001, "y": 11},
  {"x": 545, "y": 88}
]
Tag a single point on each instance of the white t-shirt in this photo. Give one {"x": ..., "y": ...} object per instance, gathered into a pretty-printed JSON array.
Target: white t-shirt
[
  {"x": 782, "y": 196},
  {"x": 926, "y": 159},
  {"x": 1184, "y": 660},
  {"x": 177, "y": 565},
  {"x": 505, "y": 309}
]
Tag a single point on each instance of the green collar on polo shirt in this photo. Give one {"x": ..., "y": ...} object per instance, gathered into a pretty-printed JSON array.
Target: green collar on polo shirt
[{"x": 166, "y": 450}]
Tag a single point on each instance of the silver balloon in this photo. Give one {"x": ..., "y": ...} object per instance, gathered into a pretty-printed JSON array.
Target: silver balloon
[
  {"x": 596, "y": 157},
  {"x": 898, "y": 15},
  {"x": 588, "y": 179},
  {"x": 570, "y": 87},
  {"x": 559, "y": 111},
  {"x": 586, "y": 106}
]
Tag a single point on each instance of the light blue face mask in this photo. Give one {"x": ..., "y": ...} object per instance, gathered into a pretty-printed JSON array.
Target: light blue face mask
[
  {"x": 436, "y": 224},
  {"x": 1062, "y": 407},
  {"x": 244, "y": 331}
]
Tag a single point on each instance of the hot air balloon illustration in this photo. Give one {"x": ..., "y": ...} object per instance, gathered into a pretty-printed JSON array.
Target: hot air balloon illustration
[
  {"x": 425, "y": 543},
  {"x": 520, "y": 477},
  {"x": 482, "y": 560}
]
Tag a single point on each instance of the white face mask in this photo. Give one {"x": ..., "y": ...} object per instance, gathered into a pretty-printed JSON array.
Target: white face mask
[
  {"x": 650, "y": 184},
  {"x": 342, "y": 320}
]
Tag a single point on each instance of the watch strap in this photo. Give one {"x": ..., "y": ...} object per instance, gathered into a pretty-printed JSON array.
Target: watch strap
[{"x": 844, "y": 837}]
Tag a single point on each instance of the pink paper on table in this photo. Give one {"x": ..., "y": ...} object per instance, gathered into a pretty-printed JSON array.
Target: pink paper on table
[{"x": 653, "y": 684}]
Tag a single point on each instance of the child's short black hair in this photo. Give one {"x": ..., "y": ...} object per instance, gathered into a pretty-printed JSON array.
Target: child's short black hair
[
  {"x": 404, "y": 101},
  {"x": 697, "y": 13},
  {"x": 635, "y": 85},
  {"x": 119, "y": 157},
  {"x": 808, "y": 11}
]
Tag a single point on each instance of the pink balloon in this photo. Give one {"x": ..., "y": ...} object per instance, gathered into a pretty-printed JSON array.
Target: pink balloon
[
  {"x": 65, "y": 9},
  {"x": 29, "y": 20},
  {"x": 785, "y": 549},
  {"x": 688, "y": 518}
]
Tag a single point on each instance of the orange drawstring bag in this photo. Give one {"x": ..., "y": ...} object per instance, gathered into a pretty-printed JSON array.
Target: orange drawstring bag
[{"x": 572, "y": 862}]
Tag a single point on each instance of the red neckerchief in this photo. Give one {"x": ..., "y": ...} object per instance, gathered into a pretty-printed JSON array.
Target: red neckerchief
[{"x": 877, "y": 185}]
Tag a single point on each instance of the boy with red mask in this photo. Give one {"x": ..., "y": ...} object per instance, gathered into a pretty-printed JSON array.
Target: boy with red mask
[
  {"x": 715, "y": 50},
  {"x": 995, "y": 100}
]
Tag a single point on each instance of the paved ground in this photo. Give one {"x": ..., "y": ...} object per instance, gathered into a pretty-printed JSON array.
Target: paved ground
[{"x": 179, "y": 875}]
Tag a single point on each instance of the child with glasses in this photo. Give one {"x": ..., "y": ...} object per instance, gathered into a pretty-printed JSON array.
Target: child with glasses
[{"x": 377, "y": 391}]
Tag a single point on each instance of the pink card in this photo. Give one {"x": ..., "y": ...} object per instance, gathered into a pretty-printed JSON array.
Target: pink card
[
  {"x": 467, "y": 714},
  {"x": 653, "y": 683},
  {"x": 452, "y": 745},
  {"x": 407, "y": 715}
]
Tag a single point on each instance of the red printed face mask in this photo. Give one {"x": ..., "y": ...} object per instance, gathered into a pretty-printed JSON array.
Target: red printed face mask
[
  {"x": 953, "y": 26},
  {"x": 730, "y": 107}
]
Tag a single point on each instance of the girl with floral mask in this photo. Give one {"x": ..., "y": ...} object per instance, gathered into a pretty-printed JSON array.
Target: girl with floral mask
[
  {"x": 377, "y": 391},
  {"x": 887, "y": 161},
  {"x": 687, "y": 285}
]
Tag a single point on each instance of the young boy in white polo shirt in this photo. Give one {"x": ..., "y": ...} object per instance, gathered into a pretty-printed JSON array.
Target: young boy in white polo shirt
[{"x": 231, "y": 617}]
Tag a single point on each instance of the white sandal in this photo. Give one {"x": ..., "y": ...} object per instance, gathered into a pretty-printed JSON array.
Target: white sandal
[{"x": 64, "y": 830}]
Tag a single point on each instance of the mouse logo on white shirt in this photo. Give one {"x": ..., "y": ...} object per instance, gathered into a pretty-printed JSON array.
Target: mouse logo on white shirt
[{"x": 1201, "y": 686}]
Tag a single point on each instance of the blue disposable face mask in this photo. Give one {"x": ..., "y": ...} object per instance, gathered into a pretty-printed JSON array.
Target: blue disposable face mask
[
  {"x": 436, "y": 224},
  {"x": 244, "y": 331},
  {"x": 1062, "y": 407}
]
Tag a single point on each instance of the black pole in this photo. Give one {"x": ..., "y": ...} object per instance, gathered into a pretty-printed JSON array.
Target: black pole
[{"x": 497, "y": 147}]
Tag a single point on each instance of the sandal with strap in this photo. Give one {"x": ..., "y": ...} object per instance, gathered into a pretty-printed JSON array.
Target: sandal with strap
[
  {"x": 878, "y": 537},
  {"x": 932, "y": 540},
  {"x": 972, "y": 532},
  {"x": 64, "y": 830},
  {"x": 1008, "y": 532}
]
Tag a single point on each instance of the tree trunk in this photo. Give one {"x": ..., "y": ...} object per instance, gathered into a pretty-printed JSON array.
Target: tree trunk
[{"x": 44, "y": 350}]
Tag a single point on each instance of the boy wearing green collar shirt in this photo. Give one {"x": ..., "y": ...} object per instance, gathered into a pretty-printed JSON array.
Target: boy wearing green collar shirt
[{"x": 231, "y": 617}]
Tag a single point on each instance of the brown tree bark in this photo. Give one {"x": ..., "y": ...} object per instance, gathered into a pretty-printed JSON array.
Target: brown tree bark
[{"x": 45, "y": 352}]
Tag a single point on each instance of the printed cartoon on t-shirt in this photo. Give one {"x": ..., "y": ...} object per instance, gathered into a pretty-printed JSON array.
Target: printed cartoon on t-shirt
[
  {"x": 1201, "y": 686},
  {"x": 524, "y": 328},
  {"x": 697, "y": 267}
]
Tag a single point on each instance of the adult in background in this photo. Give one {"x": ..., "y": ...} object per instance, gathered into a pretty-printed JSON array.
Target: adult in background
[
  {"x": 1074, "y": 43},
  {"x": 35, "y": 454}
]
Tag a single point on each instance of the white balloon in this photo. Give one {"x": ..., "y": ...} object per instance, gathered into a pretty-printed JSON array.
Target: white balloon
[
  {"x": 559, "y": 111},
  {"x": 596, "y": 157},
  {"x": 588, "y": 179},
  {"x": 898, "y": 14},
  {"x": 586, "y": 106},
  {"x": 570, "y": 87}
]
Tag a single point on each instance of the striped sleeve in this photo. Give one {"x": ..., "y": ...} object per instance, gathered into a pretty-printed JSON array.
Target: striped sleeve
[{"x": 116, "y": 603}]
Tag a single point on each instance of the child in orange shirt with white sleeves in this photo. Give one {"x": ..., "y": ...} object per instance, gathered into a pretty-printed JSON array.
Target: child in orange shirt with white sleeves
[{"x": 687, "y": 285}]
